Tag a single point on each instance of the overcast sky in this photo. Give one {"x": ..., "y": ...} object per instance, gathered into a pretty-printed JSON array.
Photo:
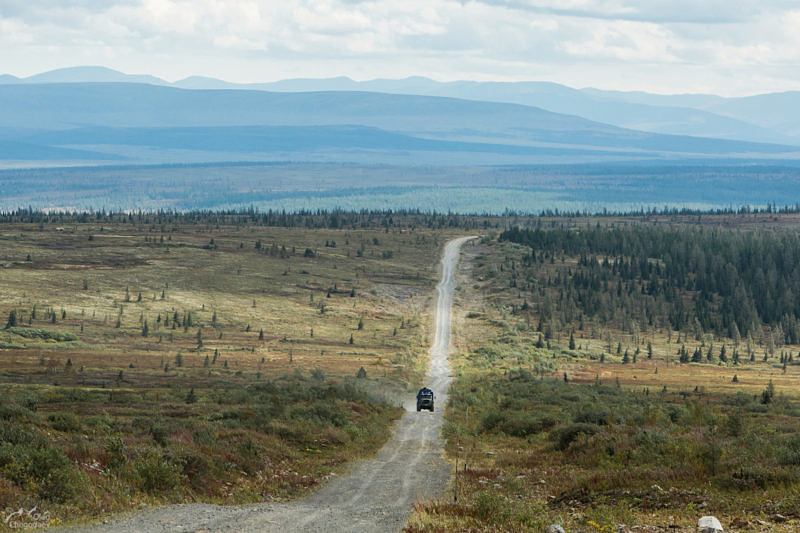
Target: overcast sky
[{"x": 730, "y": 47}]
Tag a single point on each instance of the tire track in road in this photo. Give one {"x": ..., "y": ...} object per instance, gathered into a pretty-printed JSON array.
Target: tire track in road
[{"x": 376, "y": 495}]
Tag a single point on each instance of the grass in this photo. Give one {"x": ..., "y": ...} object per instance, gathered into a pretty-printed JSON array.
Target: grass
[
  {"x": 648, "y": 444},
  {"x": 196, "y": 362}
]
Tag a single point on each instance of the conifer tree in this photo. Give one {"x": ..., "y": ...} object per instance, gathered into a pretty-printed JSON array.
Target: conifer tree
[{"x": 12, "y": 319}]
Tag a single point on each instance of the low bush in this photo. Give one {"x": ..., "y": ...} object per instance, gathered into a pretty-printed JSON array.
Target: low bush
[
  {"x": 44, "y": 471},
  {"x": 64, "y": 422},
  {"x": 44, "y": 334},
  {"x": 566, "y": 435},
  {"x": 591, "y": 415},
  {"x": 789, "y": 451},
  {"x": 153, "y": 473}
]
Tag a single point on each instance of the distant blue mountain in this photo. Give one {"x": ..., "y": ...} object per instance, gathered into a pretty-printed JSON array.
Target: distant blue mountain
[
  {"x": 77, "y": 105},
  {"x": 695, "y": 115},
  {"x": 89, "y": 75},
  {"x": 154, "y": 123},
  {"x": 770, "y": 118}
]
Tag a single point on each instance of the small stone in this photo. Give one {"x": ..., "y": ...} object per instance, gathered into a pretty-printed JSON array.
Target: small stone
[
  {"x": 657, "y": 488},
  {"x": 708, "y": 524},
  {"x": 555, "y": 528},
  {"x": 778, "y": 518}
]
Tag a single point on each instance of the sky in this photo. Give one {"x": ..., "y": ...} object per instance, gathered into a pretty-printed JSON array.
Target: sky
[{"x": 727, "y": 47}]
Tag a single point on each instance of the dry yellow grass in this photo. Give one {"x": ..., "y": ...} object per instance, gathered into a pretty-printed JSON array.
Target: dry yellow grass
[{"x": 307, "y": 307}]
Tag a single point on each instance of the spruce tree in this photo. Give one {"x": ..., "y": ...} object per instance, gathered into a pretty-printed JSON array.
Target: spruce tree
[{"x": 12, "y": 319}]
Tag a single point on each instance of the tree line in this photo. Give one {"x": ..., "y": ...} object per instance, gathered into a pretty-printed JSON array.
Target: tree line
[
  {"x": 695, "y": 279},
  {"x": 316, "y": 219}
]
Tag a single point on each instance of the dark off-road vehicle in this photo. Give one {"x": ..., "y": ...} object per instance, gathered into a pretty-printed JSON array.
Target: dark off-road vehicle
[{"x": 425, "y": 399}]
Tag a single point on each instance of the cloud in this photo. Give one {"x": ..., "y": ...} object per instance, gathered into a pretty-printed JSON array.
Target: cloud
[
  {"x": 658, "y": 11},
  {"x": 603, "y": 43}
]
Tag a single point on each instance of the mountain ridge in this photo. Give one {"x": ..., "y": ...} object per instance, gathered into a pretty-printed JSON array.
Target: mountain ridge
[{"x": 700, "y": 115}]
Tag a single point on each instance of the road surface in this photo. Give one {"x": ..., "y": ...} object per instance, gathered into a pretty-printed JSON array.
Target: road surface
[{"x": 375, "y": 496}]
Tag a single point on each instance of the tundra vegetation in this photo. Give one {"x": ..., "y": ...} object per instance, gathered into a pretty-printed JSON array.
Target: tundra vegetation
[
  {"x": 235, "y": 357},
  {"x": 638, "y": 371},
  {"x": 155, "y": 358}
]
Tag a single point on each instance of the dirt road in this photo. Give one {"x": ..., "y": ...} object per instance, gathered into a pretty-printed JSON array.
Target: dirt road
[{"x": 375, "y": 496}]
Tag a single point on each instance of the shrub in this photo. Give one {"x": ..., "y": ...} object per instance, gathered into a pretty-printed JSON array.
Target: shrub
[
  {"x": 14, "y": 411},
  {"x": 756, "y": 476},
  {"x": 43, "y": 470},
  {"x": 590, "y": 415},
  {"x": 193, "y": 466},
  {"x": 15, "y": 433},
  {"x": 66, "y": 422},
  {"x": 44, "y": 334},
  {"x": 789, "y": 452},
  {"x": 30, "y": 402},
  {"x": 115, "y": 457},
  {"x": 153, "y": 474},
  {"x": 518, "y": 424},
  {"x": 160, "y": 434},
  {"x": 564, "y": 436},
  {"x": 490, "y": 506}
]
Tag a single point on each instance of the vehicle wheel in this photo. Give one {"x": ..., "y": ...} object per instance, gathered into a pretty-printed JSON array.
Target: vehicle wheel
[
  {"x": 431, "y": 408},
  {"x": 418, "y": 409}
]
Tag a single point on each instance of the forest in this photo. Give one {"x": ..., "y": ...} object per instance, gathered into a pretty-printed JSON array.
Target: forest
[{"x": 733, "y": 283}]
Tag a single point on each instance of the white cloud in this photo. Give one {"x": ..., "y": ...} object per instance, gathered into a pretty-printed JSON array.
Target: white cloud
[{"x": 661, "y": 45}]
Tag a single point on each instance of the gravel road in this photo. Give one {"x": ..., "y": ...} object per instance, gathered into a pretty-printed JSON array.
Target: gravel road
[{"x": 375, "y": 496}]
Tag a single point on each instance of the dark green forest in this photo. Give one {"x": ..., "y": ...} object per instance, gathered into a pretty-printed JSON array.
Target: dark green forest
[
  {"x": 695, "y": 280},
  {"x": 167, "y": 220}
]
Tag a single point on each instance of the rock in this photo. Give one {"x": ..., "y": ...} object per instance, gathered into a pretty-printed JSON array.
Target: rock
[
  {"x": 708, "y": 524},
  {"x": 778, "y": 518},
  {"x": 656, "y": 488},
  {"x": 555, "y": 528}
]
